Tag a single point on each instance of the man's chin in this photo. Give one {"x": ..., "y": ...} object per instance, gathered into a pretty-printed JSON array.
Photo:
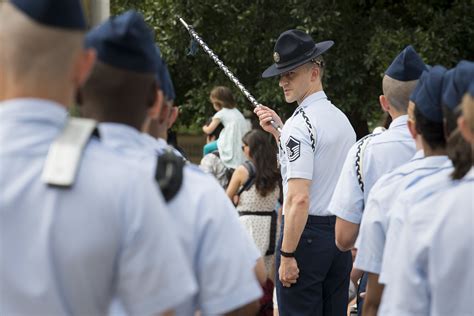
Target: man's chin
[{"x": 289, "y": 99}]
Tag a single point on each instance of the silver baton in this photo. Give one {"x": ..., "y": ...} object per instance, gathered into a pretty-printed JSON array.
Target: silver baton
[{"x": 224, "y": 68}]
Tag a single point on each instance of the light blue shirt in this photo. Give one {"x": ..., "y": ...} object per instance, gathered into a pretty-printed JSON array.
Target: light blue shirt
[
  {"x": 70, "y": 251},
  {"x": 220, "y": 250},
  {"x": 333, "y": 136},
  {"x": 418, "y": 188},
  {"x": 384, "y": 152},
  {"x": 434, "y": 274},
  {"x": 371, "y": 240}
]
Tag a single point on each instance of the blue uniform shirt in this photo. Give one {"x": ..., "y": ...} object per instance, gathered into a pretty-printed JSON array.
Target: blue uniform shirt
[
  {"x": 418, "y": 188},
  {"x": 318, "y": 158},
  {"x": 434, "y": 273},
  {"x": 69, "y": 251},
  {"x": 384, "y": 152},
  {"x": 221, "y": 253},
  {"x": 371, "y": 240}
]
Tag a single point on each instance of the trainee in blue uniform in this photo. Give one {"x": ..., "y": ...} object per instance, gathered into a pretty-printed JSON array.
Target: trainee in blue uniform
[
  {"x": 70, "y": 250},
  {"x": 455, "y": 84},
  {"x": 434, "y": 274},
  {"x": 371, "y": 239},
  {"x": 383, "y": 152},
  {"x": 219, "y": 250},
  {"x": 313, "y": 144},
  {"x": 376, "y": 154}
]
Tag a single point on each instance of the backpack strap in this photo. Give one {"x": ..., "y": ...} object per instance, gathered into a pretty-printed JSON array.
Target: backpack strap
[
  {"x": 65, "y": 153},
  {"x": 169, "y": 174},
  {"x": 251, "y": 179}
]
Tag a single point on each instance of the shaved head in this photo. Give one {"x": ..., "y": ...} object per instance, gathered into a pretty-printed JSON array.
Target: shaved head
[
  {"x": 398, "y": 92},
  {"x": 36, "y": 58}
]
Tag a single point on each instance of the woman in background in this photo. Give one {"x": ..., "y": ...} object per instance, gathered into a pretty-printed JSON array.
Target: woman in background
[{"x": 255, "y": 189}]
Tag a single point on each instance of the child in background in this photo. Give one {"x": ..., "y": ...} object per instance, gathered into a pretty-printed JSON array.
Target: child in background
[{"x": 229, "y": 142}]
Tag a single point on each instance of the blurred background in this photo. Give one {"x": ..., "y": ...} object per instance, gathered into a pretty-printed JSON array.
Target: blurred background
[{"x": 368, "y": 35}]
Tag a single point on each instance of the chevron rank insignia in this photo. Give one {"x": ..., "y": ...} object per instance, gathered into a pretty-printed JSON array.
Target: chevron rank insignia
[{"x": 293, "y": 147}]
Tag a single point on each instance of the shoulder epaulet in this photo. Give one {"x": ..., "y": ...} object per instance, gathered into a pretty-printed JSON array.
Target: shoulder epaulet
[
  {"x": 309, "y": 127},
  {"x": 64, "y": 155},
  {"x": 360, "y": 152},
  {"x": 169, "y": 174}
]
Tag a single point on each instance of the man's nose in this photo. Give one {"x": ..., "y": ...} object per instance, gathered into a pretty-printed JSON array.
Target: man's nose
[{"x": 282, "y": 82}]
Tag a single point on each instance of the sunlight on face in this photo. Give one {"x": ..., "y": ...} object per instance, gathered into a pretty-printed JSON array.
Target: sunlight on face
[{"x": 296, "y": 83}]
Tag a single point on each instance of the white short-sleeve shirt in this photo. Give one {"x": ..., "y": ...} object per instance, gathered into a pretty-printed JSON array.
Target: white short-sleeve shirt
[
  {"x": 229, "y": 142},
  {"x": 434, "y": 273},
  {"x": 371, "y": 239},
  {"x": 313, "y": 144},
  {"x": 69, "y": 251},
  {"x": 383, "y": 153},
  {"x": 219, "y": 249}
]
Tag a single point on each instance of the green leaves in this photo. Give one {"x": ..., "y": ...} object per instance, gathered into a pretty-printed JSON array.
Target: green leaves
[{"x": 368, "y": 35}]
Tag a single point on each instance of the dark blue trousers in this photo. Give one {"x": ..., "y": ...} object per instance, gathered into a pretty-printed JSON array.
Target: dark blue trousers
[{"x": 323, "y": 284}]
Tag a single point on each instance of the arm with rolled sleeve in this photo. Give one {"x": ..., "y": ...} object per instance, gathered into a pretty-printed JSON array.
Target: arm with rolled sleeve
[
  {"x": 347, "y": 203},
  {"x": 153, "y": 273},
  {"x": 226, "y": 261}
]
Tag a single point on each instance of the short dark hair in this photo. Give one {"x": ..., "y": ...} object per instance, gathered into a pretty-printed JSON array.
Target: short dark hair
[
  {"x": 116, "y": 95},
  {"x": 432, "y": 132}
]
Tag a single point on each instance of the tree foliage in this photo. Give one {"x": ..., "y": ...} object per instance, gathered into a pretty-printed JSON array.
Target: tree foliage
[{"x": 368, "y": 35}]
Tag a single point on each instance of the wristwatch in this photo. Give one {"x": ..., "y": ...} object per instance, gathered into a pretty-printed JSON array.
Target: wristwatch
[{"x": 287, "y": 254}]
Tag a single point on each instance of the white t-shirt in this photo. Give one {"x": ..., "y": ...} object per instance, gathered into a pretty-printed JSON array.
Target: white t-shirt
[{"x": 229, "y": 143}]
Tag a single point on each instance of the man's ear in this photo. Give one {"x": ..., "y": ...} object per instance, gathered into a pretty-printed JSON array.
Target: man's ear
[
  {"x": 155, "y": 109},
  {"x": 83, "y": 67},
  {"x": 174, "y": 112},
  {"x": 315, "y": 73},
  {"x": 384, "y": 104},
  {"x": 466, "y": 132}
]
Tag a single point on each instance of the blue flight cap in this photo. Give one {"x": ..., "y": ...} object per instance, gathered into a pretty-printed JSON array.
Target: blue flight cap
[
  {"x": 168, "y": 88},
  {"x": 159, "y": 72},
  {"x": 164, "y": 79},
  {"x": 65, "y": 14},
  {"x": 456, "y": 83},
  {"x": 125, "y": 42},
  {"x": 471, "y": 89},
  {"x": 407, "y": 66},
  {"x": 428, "y": 98}
]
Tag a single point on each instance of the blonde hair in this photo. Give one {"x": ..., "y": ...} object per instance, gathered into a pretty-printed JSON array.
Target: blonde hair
[
  {"x": 33, "y": 55},
  {"x": 222, "y": 97},
  {"x": 398, "y": 92}
]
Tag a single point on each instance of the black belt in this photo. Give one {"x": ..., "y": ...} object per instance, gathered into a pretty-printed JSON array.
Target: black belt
[
  {"x": 273, "y": 227},
  {"x": 314, "y": 219}
]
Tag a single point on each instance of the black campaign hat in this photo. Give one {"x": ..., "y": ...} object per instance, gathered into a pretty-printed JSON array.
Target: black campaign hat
[{"x": 294, "y": 48}]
